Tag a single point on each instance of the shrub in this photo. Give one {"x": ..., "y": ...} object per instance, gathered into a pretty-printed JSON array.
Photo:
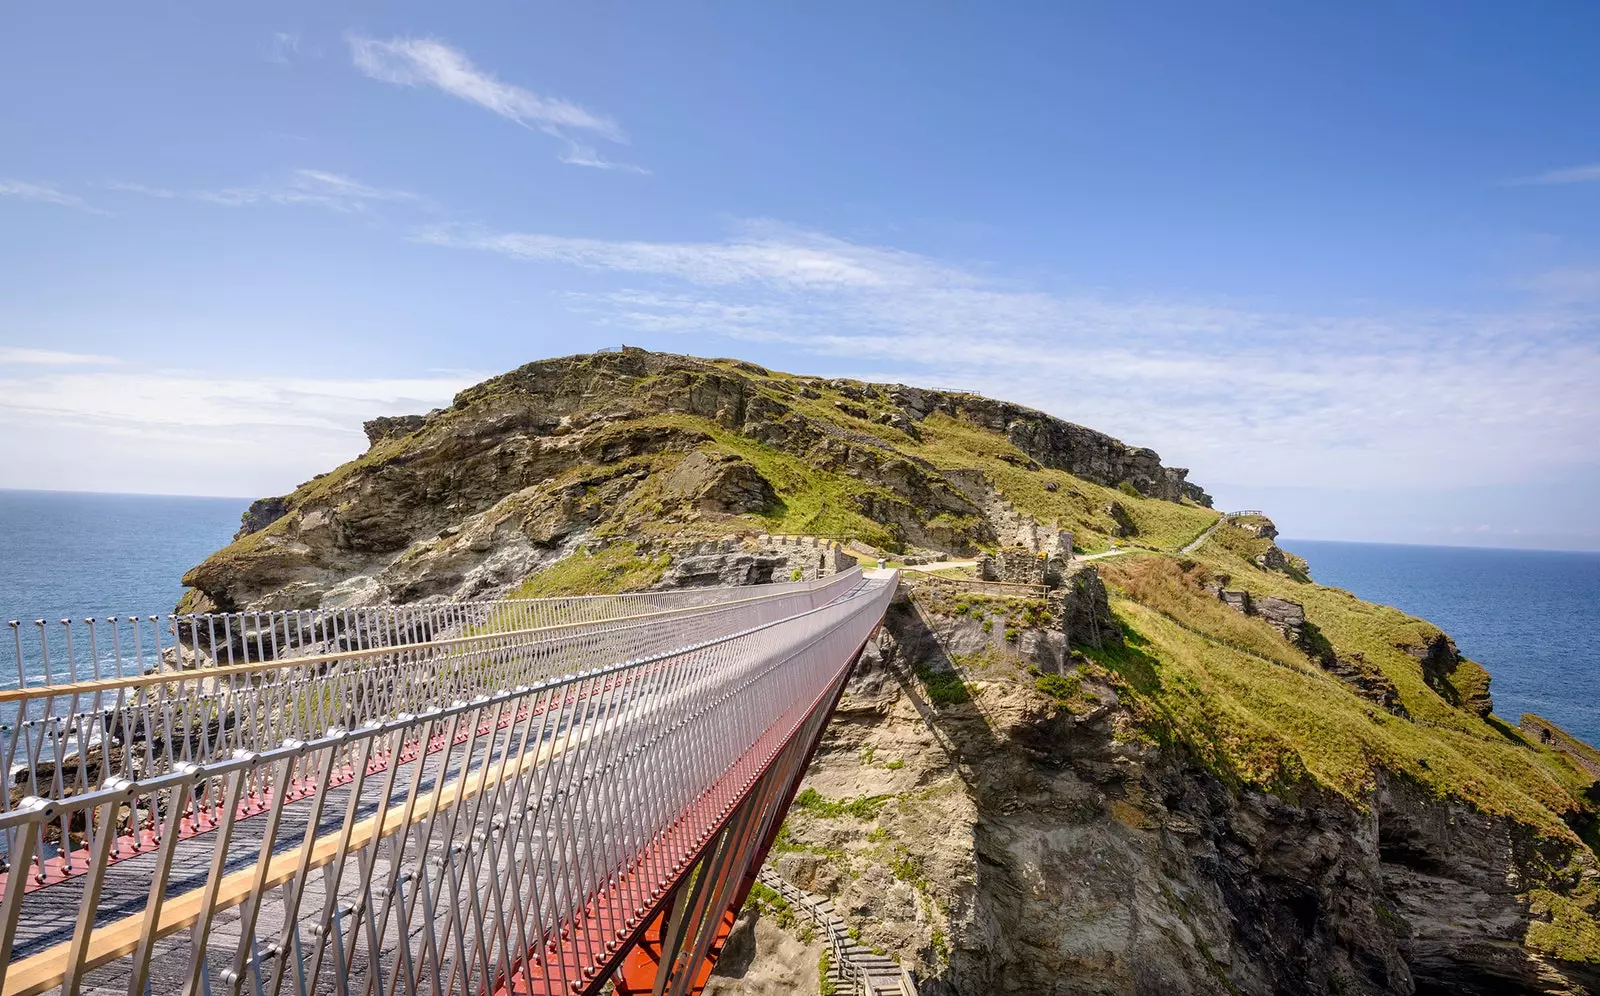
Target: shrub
[{"x": 1063, "y": 688}]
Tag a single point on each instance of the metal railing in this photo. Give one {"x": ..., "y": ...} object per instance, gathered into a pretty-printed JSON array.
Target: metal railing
[
  {"x": 47, "y": 653},
  {"x": 476, "y": 818},
  {"x": 67, "y": 739}
]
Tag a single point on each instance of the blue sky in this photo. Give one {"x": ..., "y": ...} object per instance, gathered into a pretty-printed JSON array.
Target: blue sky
[{"x": 1343, "y": 263}]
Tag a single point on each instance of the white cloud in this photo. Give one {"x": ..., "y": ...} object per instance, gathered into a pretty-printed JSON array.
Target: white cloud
[
  {"x": 763, "y": 253},
  {"x": 1241, "y": 394},
  {"x": 138, "y": 429},
  {"x": 45, "y": 194},
  {"x": 426, "y": 62},
  {"x": 281, "y": 48},
  {"x": 1575, "y": 174},
  {"x": 21, "y": 356},
  {"x": 303, "y": 187}
]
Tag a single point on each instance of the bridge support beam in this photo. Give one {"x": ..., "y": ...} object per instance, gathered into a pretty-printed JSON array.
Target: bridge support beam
[{"x": 674, "y": 953}]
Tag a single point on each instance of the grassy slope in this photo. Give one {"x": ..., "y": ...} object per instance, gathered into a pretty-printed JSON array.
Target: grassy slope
[
  {"x": 950, "y": 444},
  {"x": 617, "y": 568},
  {"x": 1446, "y": 748},
  {"x": 1199, "y": 673}
]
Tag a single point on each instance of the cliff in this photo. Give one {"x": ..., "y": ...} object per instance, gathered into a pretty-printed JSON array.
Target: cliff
[{"x": 1175, "y": 772}]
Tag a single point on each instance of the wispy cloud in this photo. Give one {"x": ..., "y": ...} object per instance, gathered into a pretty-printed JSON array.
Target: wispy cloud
[
  {"x": 1575, "y": 174},
  {"x": 45, "y": 194},
  {"x": 1244, "y": 394},
  {"x": 762, "y": 253},
  {"x": 21, "y": 356},
  {"x": 426, "y": 62},
  {"x": 143, "y": 428},
  {"x": 281, "y": 48},
  {"x": 304, "y": 187}
]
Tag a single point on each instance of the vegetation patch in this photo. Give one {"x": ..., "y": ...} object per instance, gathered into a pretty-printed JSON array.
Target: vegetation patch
[
  {"x": 1065, "y": 689},
  {"x": 944, "y": 687},
  {"x": 1570, "y": 933},
  {"x": 615, "y": 569},
  {"x": 1200, "y": 675},
  {"x": 863, "y": 808},
  {"x": 1055, "y": 495}
]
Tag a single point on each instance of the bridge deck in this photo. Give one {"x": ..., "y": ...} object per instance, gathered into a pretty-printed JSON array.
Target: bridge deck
[{"x": 491, "y": 816}]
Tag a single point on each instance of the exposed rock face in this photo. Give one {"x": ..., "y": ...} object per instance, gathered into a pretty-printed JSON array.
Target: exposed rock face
[
  {"x": 1458, "y": 680},
  {"x": 715, "y": 569},
  {"x": 720, "y": 484},
  {"x": 1054, "y": 443},
  {"x": 1032, "y": 846},
  {"x": 1085, "y": 612},
  {"x": 1257, "y": 526},
  {"x": 1274, "y": 559},
  {"x": 1119, "y": 515},
  {"x": 262, "y": 513},
  {"x": 1288, "y": 618},
  {"x": 1366, "y": 679},
  {"x": 386, "y": 427}
]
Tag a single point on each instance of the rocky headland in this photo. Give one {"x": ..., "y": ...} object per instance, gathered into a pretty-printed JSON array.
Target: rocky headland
[{"x": 1174, "y": 769}]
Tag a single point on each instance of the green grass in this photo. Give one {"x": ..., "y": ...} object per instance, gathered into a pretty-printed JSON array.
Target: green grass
[
  {"x": 1063, "y": 688},
  {"x": 1253, "y": 721},
  {"x": 943, "y": 687},
  {"x": 812, "y": 501},
  {"x": 768, "y": 902},
  {"x": 1173, "y": 587},
  {"x": 1571, "y": 933},
  {"x": 617, "y": 568},
  {"x": 862, "y": 808}
]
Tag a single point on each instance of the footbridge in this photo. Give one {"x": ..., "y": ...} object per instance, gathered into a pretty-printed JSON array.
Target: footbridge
[{"x": 497, "y": 797}]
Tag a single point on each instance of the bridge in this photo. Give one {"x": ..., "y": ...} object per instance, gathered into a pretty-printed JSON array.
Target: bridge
[{"x": 496, "y": 797}]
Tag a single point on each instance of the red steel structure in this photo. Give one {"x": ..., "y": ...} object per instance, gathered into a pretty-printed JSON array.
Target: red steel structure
[{"x": 496, "y": 797}]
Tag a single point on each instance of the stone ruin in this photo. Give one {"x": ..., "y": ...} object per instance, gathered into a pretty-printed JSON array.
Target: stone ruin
[
  {"x": 758, "y": 559},
  {"x": 1035, "y": 555}
]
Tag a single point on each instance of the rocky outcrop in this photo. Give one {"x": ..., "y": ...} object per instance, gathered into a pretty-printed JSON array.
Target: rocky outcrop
[
  {"x": 720, "y": 484},
  {"x": 1084, "y": 610},
  {"x": 1288, "y": 618},
  {"x": 1124, "y": 522},
  {"x": 1053, "y": 443},
  {"x": 1458, "y": 680},
  {"x": 386, "y": 427},
  {"x": 262, "y": 513}
]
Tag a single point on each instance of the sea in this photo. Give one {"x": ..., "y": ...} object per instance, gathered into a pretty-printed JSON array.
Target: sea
[
  {"x": 72, "y": 554},
  {"x": 1531, "y": 617}
]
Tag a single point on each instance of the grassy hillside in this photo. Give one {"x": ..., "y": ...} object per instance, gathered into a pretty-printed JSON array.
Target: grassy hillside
[{"x": 1258, "y": 710}]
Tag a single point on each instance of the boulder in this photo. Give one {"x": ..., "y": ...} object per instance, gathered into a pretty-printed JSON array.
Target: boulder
[
  {"x": 720, "y": 483},
  {"x": 1124, "y": 522}
]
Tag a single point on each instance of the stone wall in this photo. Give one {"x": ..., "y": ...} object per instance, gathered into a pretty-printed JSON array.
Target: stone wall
[
  {"x": 1014, "y": 565},
  {"x": 813, "y": 556}
]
